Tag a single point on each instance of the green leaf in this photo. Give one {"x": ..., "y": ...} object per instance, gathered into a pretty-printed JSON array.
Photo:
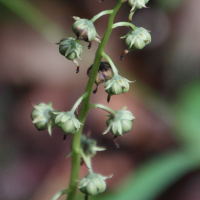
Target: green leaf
[
  {"x": 187, "y": 115},
  {"x": 154, "y": 177}
]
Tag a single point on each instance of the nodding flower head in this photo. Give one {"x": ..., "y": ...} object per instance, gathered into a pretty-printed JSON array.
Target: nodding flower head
[
  {"x": 70, "y": 48},
  {"x": 136, "y": 39},
  {"x": 85, "y": 30},
  {"x": 104, "y": 74},
  {"x": 43, "y": 117},
  {"x": 89, "y": 146},
  {"x": 137, "y": 4},
  {"x": 116, "y": 85},
  {"x": 67, "y": 122},
  {"x": 93, "y": 184},
  {"x": 120, "y": 123}
]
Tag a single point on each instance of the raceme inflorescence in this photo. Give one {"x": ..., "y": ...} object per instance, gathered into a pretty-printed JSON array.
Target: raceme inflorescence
[{"x": 119, "y": 122}]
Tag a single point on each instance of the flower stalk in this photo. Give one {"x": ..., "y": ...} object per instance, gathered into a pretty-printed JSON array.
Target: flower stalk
[
  {"x": 118, "y": 24},
  {"x": 78, "y": 102},
  {"x": 115, "y": 71},
  {"x": 109, "y": 110},
  {"x": 105, "y": 12}
]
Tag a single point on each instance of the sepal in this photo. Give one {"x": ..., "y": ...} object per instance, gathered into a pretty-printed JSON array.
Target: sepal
[
  {"x": 117, "y": 85},
  {"x": 137, "y": 4},
  {"x": 93, "y": 184},
  {"x": 136, "y": 39},
  {"x": 71, "y": 49},
  {"x": 120, "y": 123},
  {"x": 43, "y": 117},
  {"x": 67, "y": 121},
  {"x": 85, "y": 30}
]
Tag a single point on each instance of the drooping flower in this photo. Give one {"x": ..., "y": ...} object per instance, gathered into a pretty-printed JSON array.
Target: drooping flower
[
  {"x": 67, "y": 121},
  {"x": 136, "y": 39},
  {"x": 85, "y": 30},
  {"x": 93, "y": 184},
  {"x": 104, "y": 74},
  {"x": 116, "y": 85},
  {"x": 137, "y": 4},
  {"x": 120, "y": 123},
  {"x": 89, "y": 146},
  {"x": 43, "y": 117},
  {"x": 88, "y": 149},
  {"x": 71, "y": 49}
]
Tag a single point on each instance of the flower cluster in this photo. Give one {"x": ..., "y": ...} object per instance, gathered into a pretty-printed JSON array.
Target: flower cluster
[
  {"x": 44, "y": 116},
  {"x": 71, "y": 47}
]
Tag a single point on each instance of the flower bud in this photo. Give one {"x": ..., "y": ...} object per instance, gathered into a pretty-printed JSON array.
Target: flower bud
[
  {"x": 104, "y": 73},
  {"x": 93, "y": 184},
  {"x": 116, "y": 85},
  {"x": 89, "y": 146},
  {"x": 43, "y": 117},
  {"x": 136, "y": 39},
  {"x": 70, "y": 48},
  {"x": 67, "y": 122},
  {"x": 120, "y": 123},
  {"x": 137, "y": 4},
  {"x": 85, "y": 30}
]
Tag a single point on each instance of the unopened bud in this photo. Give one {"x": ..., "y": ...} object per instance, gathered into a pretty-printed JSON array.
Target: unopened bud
[
  {"x": 89, "y": 146},
  {"x": 67, "y": 122},
  {"x": 120, "y": 123},
  {"x": 70, "y": 48},
  {"x": 137, "y": 4},
  {"x": 93, "y": 184},
  {"x": 117, "y": 85},
  {"x": 136, "y": 39},
  {"x": 85, "y": 30},
  {"x": 43, "y": 117}
]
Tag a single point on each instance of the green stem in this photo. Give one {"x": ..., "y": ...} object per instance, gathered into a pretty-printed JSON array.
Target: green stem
[
  {"x": 115, "y": 71},
  {"x": 75, "y": 166},
  {"x": 124, "y": 24},
  {"x": 131, "y": 15},
  {"x": 105, "y": 12},
  {"x": 111, "y": 111},
  {"x": 78, "y": 102}
]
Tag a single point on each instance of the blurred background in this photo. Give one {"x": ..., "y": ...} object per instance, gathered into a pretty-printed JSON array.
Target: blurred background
[{"x": 159, "y": 159}]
